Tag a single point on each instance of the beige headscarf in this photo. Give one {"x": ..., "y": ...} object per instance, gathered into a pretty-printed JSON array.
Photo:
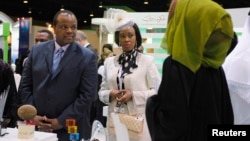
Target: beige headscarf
[{"x": 199, "y": 32}]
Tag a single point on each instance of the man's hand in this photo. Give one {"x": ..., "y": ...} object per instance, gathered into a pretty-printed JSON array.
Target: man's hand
[
  {"x": 47, "y": 124},
  {"x": 55, "y": 125},
  {"x": 42, "y": 125}
]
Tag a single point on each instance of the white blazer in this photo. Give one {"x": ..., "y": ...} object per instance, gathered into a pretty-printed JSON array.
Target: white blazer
[{"x": 143, "y": 82}]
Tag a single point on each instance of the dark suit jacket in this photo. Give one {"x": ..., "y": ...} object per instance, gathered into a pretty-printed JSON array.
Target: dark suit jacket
[
  {"x": 68, "y": 93},
  {"x": 89, "y": 46}
]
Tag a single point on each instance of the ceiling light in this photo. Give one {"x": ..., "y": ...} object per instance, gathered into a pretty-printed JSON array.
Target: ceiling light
[
  {"x": 48, "y": 24},
  {"x": 100, "y": 4},
  {"x": 91, "y": 14},
  {"x": 62, "y": 8},
  {"x": 145, "y": 2},
  {"x": 30, "y": 11},
  {"x": 25, "y": 1}
]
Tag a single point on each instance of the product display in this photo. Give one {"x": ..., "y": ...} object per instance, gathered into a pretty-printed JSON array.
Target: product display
[{"x": 27, "y": 112}]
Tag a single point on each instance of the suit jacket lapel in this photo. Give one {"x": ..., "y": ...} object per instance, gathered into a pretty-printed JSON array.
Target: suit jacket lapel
[
  {"x": 49, "y": 51},
  {"x": 71, "y": 51}
]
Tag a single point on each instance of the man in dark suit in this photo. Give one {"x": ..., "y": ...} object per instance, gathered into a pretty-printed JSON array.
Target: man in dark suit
[
  {"x": 67, "y": 92},
  {"x": 81, "y": 38}
]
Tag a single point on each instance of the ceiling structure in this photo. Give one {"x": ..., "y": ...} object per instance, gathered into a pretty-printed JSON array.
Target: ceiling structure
[{"x": 44, "y": 10}]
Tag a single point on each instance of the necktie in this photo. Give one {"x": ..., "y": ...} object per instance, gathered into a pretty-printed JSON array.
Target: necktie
[{"x": 57, "y": 58}]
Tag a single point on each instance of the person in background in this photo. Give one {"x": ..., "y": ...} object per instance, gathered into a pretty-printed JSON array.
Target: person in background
[
  {"x": 25, "y": 59},
  {"x": 7, "y": 82},
  {"x": 65, "y": 92},
  {"x": 129, "y": 78},
  {"x": 81, "y": 38},
  {"x": 237, "y": 72},
  {"x": 19, "y": 63},
  {"x": 1, "y": 53},
  {"x": 10, "y": 61},
  {"x": 43, "y": 35},
  {"x": 193, "y": 93},
  {"x": 107, "y": 46},
  {"x": 97, "y": 108},
  {"x": 107, "y": 51}
]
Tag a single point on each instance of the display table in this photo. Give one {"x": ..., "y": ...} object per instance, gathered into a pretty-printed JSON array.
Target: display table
[{"x": 39, "y": 136}]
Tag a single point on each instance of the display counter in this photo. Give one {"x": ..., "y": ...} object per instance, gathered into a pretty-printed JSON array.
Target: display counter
[{"x": 38, "y": 136}]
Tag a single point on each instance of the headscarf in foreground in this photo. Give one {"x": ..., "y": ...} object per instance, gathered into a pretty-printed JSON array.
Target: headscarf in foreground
[
  {"x": 188, "y": 37},
  {"x": 237, "y": 65}
]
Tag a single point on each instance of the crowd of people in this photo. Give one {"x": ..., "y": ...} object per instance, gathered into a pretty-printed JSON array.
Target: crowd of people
[{"x": 64, "y": 77}]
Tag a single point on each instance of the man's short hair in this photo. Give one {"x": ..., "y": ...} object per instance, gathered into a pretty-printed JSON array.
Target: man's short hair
[
  {"x": 51, "y": 36},
  {"x": 81, "y": 35}
]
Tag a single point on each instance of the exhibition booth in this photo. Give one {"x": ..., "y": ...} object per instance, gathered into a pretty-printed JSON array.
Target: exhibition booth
[{"x": 152, "y": 26}]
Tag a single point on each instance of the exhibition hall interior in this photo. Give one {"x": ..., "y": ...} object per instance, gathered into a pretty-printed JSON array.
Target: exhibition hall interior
[
  {"x": 42, "y": 11},
  {"x": 150, "y": 15},
  {"x": 20, "y": 20}
]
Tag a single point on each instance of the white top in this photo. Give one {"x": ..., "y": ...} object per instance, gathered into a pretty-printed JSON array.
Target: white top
[
  {"x": 143, "y": 82},
  {"x": 237, "y": 70},
  {"x": 17, "y": 79},
  {"x": 101, "y": 70}
]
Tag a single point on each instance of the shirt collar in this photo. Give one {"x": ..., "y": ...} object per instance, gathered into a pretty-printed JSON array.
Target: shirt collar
[
  {"x": 86, "y": 44},
  {"x": 57, "y": 46}
]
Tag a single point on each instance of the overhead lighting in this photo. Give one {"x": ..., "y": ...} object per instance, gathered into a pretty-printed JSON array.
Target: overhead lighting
[
  {"x": 91, "y": 14},
  {"x": 100, "y": 4},
  {"x": 48, "y": 24},
  {"x": 30, "y": 11},
  {"x": 25, "y": 1},
  {"x": 62, "y": 8},
  {"x": 145, "y": 2}
]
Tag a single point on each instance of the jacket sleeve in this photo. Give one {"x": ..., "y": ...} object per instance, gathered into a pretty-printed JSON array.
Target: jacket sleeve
[
  {"x": 153, "y": 80},
  {"x": 104, "y": 90},
  {"x": 25, "y": 87}
]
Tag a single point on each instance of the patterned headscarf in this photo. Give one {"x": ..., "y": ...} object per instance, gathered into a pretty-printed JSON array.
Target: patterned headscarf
[{"x": 128, "y": 62}]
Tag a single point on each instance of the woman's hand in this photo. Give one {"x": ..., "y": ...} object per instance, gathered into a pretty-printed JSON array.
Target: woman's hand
[
  {"x": 115, "y": 93},
  {"x": 124, "y": 96}
]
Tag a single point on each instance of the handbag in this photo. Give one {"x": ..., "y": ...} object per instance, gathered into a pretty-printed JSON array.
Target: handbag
[{"x": 133, "y": 123}]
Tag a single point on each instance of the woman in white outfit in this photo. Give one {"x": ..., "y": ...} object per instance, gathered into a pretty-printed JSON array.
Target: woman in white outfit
[{"x": 129, "y": 79}]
